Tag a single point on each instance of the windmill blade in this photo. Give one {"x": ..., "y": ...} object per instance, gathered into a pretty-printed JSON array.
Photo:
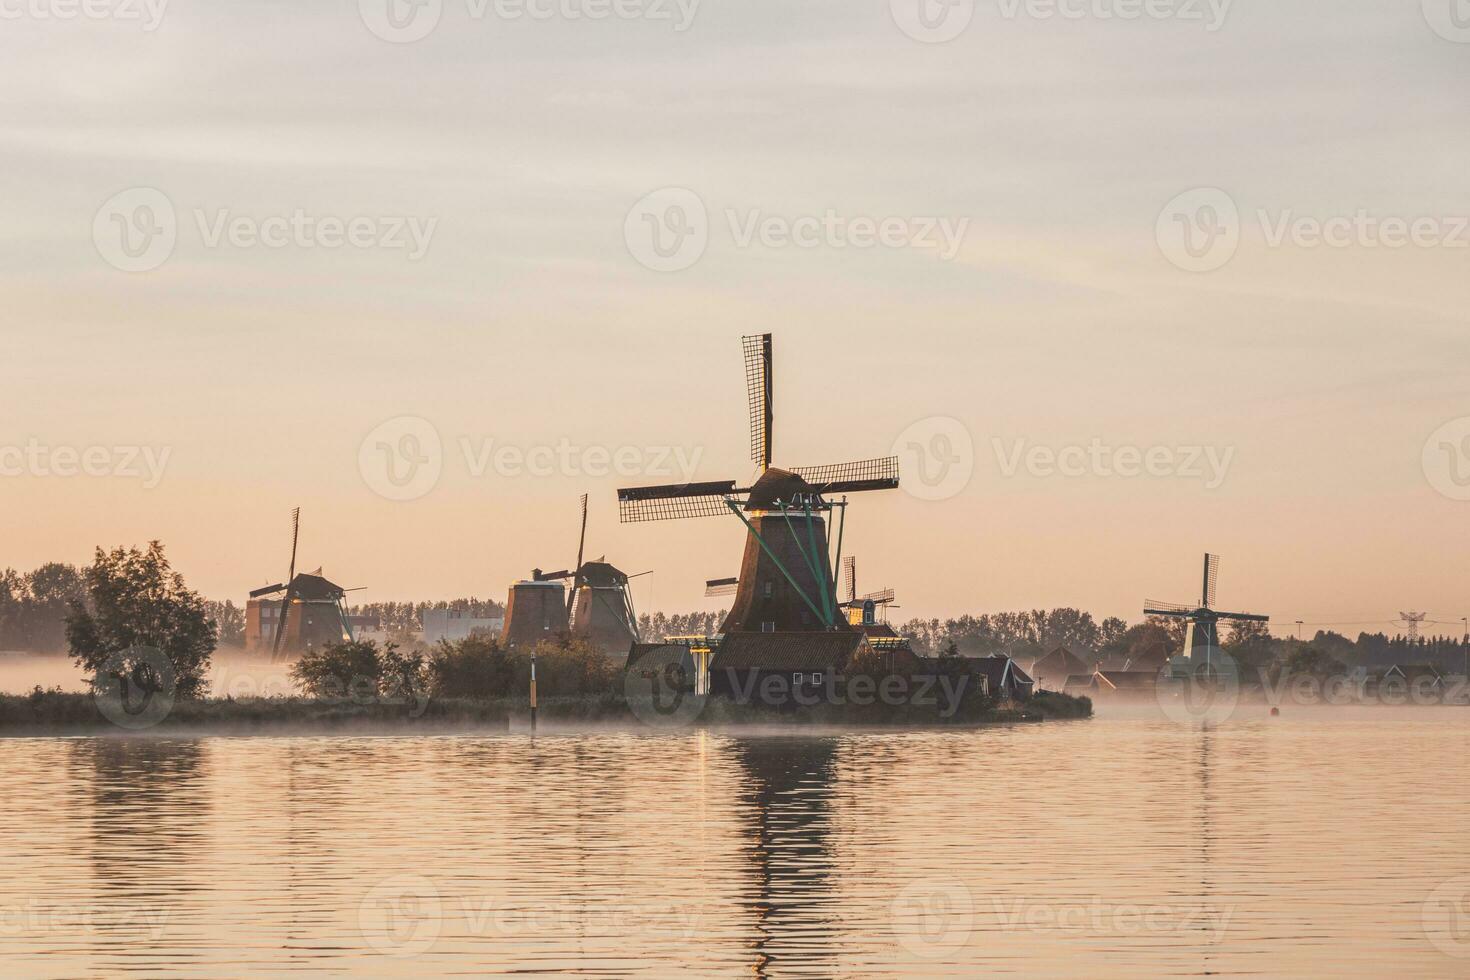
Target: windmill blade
[
  {"x": 849, "y": 576},
  {"x": 1152, "y": 608},
  {"x": 674, "y": 502},
  {"x": 295, "y": 537},
  {"x": 268, "y": 590},
  {"x": 1243, "y": 618},
  {"x": 581, "y": 546},
  {"x": 759, "y": 391},
  {"x": 880, "y": 598},
  {"x": 565, "y": 573},
  {"x": 286, "y": 601},
  {"x": 721, "y": 586},
  {"x": 1212, "y": 579},
  {"x": 868, "y": 474}
]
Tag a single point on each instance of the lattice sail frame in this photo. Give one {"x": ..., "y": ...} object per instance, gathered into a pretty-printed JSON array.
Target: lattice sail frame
[{"x": 758, "y": 391}]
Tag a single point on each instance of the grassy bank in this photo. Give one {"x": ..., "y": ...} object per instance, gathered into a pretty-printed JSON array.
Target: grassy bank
[{"x": 61, "y": 713}]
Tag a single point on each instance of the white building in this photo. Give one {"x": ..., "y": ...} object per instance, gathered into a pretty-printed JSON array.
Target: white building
[{"x": 453, "y": 624}]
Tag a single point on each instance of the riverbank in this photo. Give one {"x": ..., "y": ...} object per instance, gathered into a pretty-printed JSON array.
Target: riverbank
[{"x": 60, "y": 713}]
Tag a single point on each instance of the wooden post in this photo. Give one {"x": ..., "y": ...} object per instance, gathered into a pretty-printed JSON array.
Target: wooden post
[{"x": 533, "y": 691}]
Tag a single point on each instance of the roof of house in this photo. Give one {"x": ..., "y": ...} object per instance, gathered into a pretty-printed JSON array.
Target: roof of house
[
  {"x": 1414, "y": 672},
  {"x": 1078, "y": 682},
  {"x": 1060, "y": 660},
  {"x": 877, "y": 629},
  {"x": 787, "y": 651},
  {"x": 995, "y": 668},
  {"x": 1128, "y": 680}
]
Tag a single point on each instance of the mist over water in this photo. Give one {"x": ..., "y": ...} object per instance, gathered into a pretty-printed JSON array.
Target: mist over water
[
  {"x": 1123, "y": 846},
  {"x": 232, "y": 672}
]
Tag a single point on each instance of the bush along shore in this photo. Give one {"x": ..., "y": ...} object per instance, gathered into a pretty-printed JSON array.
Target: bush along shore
[{"x": 477, "y": 686}]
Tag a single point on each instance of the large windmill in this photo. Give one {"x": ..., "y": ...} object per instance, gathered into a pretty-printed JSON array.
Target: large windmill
[
  {"x": 309, "y": 613},
  {"x": 598, "y": 607},
  {"x": 786, "y": 578},
  {"x": 1202, "y": 634}
]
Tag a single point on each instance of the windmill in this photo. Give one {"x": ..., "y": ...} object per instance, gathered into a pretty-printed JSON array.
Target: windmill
[
  {"x": 1202, "y": 635},
  {"x": 598, "y": 607},
  {"x": 862, "y": 610},
  {"x": 311, "y": 611},
  {"x": 786, "y": 581}
]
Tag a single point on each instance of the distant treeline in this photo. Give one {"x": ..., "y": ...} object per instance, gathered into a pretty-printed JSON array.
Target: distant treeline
[
  {"x": 34, "y": 606},
  {"x": 1026, "y": 635}
]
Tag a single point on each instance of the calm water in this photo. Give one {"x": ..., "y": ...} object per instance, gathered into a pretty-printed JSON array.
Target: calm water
[{"x": 1329, "y": 843}]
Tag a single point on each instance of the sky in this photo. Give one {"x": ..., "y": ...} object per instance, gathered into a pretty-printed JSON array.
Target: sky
[{"x": 1071, "y": 268}]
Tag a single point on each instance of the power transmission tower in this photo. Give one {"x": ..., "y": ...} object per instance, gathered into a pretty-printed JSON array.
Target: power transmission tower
[{"x": 1412, "y": 621}]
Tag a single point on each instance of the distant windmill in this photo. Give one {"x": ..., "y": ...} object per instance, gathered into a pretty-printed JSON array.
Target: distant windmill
[
  {"x": 311, "y": 608},
  {"x": 1202, "y": 635},
  {"x": 863, "y": 607},
  {"x": 786, "y": 577},
  {"x": 598, "y": 607},
  {"x": 1411, "y": 622}
]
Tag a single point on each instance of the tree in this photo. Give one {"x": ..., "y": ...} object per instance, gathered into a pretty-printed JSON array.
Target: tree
[
  {"x": 355, "y": 669},
  {"x": 135, "y": 600},
  {"x": 12, "y": 601},
  {"x": 54, "y": 589},
  {"x": 229, "y": 620}
]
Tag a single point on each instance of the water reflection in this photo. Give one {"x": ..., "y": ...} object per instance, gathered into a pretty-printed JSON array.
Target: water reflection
[
  {"x": 787, "y": 794},
  {"x": 1114, "y": 848}
]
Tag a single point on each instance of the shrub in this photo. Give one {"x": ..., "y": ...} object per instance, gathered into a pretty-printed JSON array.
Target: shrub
[{"x": 360, "y": 671}]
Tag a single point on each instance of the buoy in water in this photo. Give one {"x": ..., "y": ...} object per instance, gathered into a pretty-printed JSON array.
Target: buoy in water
[{"x": 1275, "y": 712}]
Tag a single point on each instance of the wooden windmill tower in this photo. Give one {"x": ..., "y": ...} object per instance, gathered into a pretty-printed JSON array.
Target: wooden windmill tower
[
  {"x": 786, "y": 581},
  {"x": 598, "y": 607},
  {"x": 309, "y": 613},
  {"x": 1202, "y": 633}
]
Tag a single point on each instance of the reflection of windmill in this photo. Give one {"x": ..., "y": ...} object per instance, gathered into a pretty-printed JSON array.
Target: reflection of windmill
[
  {"x": 863, "y": 610},
  {"x": 310, "y": 612},
  {"x": 786, "y": 578},
  {"x": 1202, "y": 635},
  {"x": 598, "y": 607}
]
